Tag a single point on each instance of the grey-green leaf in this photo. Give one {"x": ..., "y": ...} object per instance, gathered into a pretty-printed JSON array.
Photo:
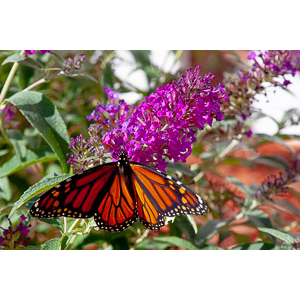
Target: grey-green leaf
[
  {"x": 51, "y": 244},
  {"x": 278, "y": 234},
  {"x": 208, "y": 230},
  {"x": 176, "y": 241},
  {"x": 44, "y": 116},
  {"x": 16, "y": 163},
  {"x": 18, "y": 142},
  {"x": 13, "y": 58}
]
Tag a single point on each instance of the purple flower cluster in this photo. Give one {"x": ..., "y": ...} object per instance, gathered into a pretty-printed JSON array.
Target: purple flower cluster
[
  {"x": 14, "y": 238},
  {"x": 8, "y": 113},
  {"x": 32, "y": 52},
  {"x": 271, "y": 67},
  {"x": 163, "y": 127}
]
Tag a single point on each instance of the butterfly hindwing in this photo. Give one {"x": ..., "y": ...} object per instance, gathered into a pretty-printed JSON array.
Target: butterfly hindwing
[
  {"x": 164, "y": 194},
  {"x": 117, "y": 210},
  {"x": 76, "y": 197}
]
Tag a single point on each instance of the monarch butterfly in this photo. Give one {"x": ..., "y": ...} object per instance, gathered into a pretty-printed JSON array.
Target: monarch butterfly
[{"x": 117, "y": 194}]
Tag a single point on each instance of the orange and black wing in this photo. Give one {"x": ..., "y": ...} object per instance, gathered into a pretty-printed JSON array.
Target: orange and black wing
[
  {"x": 118, "y": 209},
  {"x": 159, "y": 195},
  {"x": 78, "y": 196}
]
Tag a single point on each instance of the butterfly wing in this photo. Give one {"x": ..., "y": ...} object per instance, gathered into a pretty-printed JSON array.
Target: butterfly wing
[
  {"x": 118, "y": 209},
  {"x": 161, "y": 195},
  {"x": 78, "y": 196}
]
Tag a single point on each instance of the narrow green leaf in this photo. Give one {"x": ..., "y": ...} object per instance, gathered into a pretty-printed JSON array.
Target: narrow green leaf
[
  {"x": 181, "y": 168},
  {"x": 241, "y": 185},
  {"x": 108, "y": 76},
  {"x": 45, "y": 184},
  {"x": 56, "y": 222},
  {"x": 208, "y": 230},
  {"x": 142, "y": 57},
  {"x": 5, "y": 190},
  {"x": 255, "y": 246},
  {"x": 185, "y": 224},
  {"x": 51, "y": 244},
  {"x": 278, "y": 234},
  {"x": 82, "y": 74},
  {"x": 44, "y": 116},
  {"x": 176, "y": 241},
  {"x": 149, "y": 243},
  {"x": 13, "y": 58},
  {"x": 271, "y": 161},
  {"x": 275, "y": 139},
  {"x": 16, "y": 163},
  {"x": 18, "y": 142},
  {"x": 29, "y": 62},
  {"x": 259, "y": 218}
]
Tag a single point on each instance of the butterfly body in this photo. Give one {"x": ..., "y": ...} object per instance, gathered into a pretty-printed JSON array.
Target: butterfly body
[{"x": 117, "y": 194}]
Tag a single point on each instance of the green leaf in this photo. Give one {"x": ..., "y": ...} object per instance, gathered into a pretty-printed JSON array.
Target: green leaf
[
  {"x": 66, "y": 237},
  {"x": 18, "y": 142},
  {"x": 208, "y": 230},
  {"x": 29, "y": 62},
  {"x": 13, "y": 58},
  {"x": 108, "y": 76},
  {"x": 56, "y": 222},
  {"x": 142, "y": 57},
  {"x": 185, "y": 224},
  {"x": 285, "y": 204},
  {"x": 259, "y": 218},
  {"x": 255, "y": 246},
  {"x": 181, "y": 168},
  {"x": 16, "y": 163},
  {"x": 5, "y": 190},
  {"x": 82, "y": 74},
  {"x": 271, "y": 161},
  {"x": 276, "y": 139},
  {"x": 241, "y": 185},
  {"x": 45, "y": 184},
  {"x": 288, "y": 115},
  {"x": 149, "y": 243},
  {"x": 44, "y": 116},
  {"x": 278, "y": 234},
  {"x": 51, "y": 244},
  {"x": 176, "y": 241},
  {"x": 25, "y": 75}
]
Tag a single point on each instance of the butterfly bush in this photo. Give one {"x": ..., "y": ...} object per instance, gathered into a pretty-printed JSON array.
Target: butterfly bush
[
  {"x": 269, "y": 69},
  {"x": 14, "y": 238},
  {"x": 162, "y": 127}
]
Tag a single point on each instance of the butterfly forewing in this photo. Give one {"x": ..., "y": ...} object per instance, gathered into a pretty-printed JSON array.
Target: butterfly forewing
[
  {"x": 168, "y": 196},
  {"x": 78, "y": 196}
]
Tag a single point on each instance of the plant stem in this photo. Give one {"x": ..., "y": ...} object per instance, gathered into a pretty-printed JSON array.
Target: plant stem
[
  {"x": 35, "y": 84},
  {"x": 74, "y": 225},
  {"x": 9, "y": 78}
]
